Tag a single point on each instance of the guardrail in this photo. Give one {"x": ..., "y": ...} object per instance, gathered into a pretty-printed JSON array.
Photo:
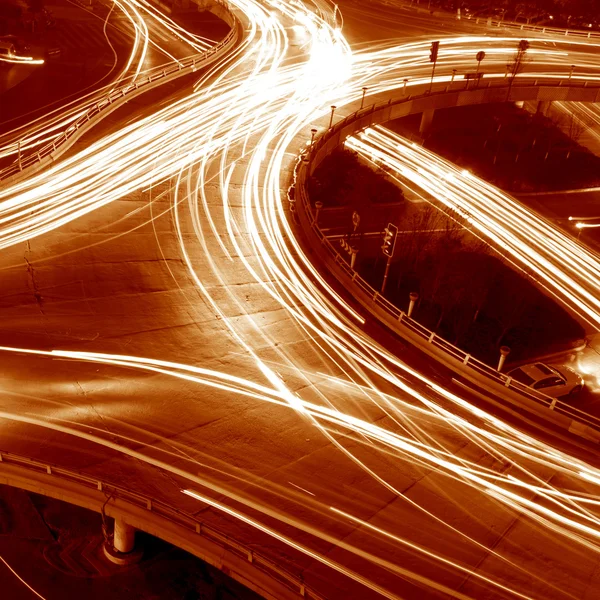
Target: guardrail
[
  {"x": 536, "y": 28},
  {"x": 294, "y": 582},
  {"x": 118, "y": 95},
  {"x": 401, "y": 320},
  {"x": 511, "y": 24}
]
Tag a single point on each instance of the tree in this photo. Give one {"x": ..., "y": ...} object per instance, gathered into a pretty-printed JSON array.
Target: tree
[{"x": 518, "y": 64}]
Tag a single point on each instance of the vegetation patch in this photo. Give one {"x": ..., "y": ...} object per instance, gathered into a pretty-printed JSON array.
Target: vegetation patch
[{"x": 468, "y": 294}]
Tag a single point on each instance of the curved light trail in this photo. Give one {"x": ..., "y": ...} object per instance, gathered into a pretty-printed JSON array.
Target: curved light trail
[
  {"x": 144, "y": 19},
  {"x": 238, "y": 125},
  {"x": 567, "y": 269}
]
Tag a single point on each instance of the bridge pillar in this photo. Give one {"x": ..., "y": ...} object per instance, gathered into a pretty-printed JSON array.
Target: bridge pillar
[
  {"x": 124, "y": 536},
  {"x": 426, "y": 119},
  {"x": 543, "y": 106},
  {"x": 122, "y": 551}
]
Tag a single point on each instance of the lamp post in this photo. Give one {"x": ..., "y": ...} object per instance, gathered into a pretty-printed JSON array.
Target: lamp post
[
  {"x": 504, "y": 352},
  {"x": 571, "y": 72},
  {"x": 318, "y": 207},
  {"x": 413, "y": 299},
  {"x": 19, "y": 155},
  {"x": 453, "y": 75},
  {"x": 362, "y": 101},
  {"x": 353, "y": 253},
  {"x": 333, "y": 107},
  {"x": 404, "y": 87},
  {"x": 313, "y": 131}
]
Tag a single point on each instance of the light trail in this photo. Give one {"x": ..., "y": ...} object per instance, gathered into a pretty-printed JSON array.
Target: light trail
[
  {"x": 21, "y": 579},
  {"x": 143, "y": 19},
  {"x": 566, "y": 269},
  {"x": 238, "y": 126}
]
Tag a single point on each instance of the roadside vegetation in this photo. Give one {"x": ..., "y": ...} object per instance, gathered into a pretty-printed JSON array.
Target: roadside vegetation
[
  {"x": 467, "y": 293},
  {"x": 583, "y": 14}
]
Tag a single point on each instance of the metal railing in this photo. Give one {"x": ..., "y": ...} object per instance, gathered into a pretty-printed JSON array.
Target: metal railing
[
  {"x": 294, "y": 582},
  {"x": 582, "y": 33},
  {"x": 537, "y": 28},
  {"x": 402, "y": 320},
  {"x": 117, "y": 96}
]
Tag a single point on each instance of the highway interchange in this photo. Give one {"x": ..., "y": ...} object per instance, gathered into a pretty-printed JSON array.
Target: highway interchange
[{"x": 164, "y": 327}]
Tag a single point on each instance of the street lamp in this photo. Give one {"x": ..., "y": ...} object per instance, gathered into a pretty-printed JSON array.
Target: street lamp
[
  {"x": 313, "y": 131},
  {"x": 333, "y": 107},
  {"x": 504, "y": 352},
  {"x": 362, "y": 101},
  {"x": 571, "y": 72},
  {"x": 413, "y": 297},
  {"x": 318, "y": 207}
]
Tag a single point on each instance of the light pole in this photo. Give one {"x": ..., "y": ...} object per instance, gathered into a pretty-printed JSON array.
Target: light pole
[
  {"x": 504, "y": 352},
  {"x": 355, "y": 221},
  {"x": 413, "y": 296},
  {"x": 333, "y": 107},
  {"x": 404, "y": 88},
  {"x": 318, "y": 207},
  {"x": 19, "y": 155},
  {"x": 362, "y": 101},
  {"x": 453, "y": 75},
  {"x": 353, "y": 253},
  {"x": 313, "y": 131},
  {"x": 571, "y": 72}
]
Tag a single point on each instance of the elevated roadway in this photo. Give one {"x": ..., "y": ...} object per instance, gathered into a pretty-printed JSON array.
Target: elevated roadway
[{"x": 275, "y": 406}]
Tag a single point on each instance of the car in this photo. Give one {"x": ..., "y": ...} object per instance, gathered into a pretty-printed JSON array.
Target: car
[
  {"x": 20, "y": 46},
  {"x": 7, "y": 51},
  {"x": 553, "y": 380}
]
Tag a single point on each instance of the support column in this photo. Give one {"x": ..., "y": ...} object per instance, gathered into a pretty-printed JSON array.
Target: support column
[
  {"x": 122, "y": 550},
  {"x": 426, "y": 119},
  {"x": 543, "y": 106},
  {"x": 124, "y": 536}
]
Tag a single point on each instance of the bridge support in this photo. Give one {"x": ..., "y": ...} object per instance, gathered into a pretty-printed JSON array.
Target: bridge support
[
  {"x": 426, "y": 119},
  {"x": 543, "y": 106},
  {"x": 122, "y": 551},
  {"x": 124, "y": 536}
]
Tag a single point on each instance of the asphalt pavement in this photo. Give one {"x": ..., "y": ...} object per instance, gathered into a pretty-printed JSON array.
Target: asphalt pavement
[{"x": 115, "y": 281}]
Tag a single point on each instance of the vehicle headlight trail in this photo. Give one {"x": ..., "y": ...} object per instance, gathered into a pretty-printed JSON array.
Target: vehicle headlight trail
[{"x": 238, "y": 126}]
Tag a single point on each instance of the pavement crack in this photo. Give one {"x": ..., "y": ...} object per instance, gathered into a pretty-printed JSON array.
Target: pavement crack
[{"x": 36, "y": 293}]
